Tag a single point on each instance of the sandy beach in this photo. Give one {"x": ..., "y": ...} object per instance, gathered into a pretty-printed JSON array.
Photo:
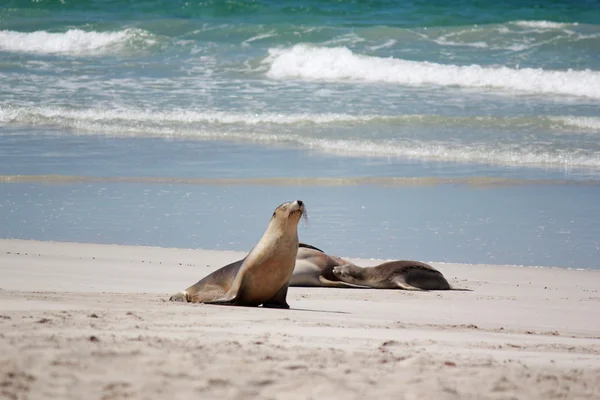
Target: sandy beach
[{"x": 93, "y": 321}]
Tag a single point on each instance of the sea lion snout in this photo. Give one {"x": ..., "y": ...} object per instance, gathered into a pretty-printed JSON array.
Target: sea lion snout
[
  {"x": 297, "y": 205},
  {"x": 340, "y": 270},
  {"x": 296, "y": 208}
]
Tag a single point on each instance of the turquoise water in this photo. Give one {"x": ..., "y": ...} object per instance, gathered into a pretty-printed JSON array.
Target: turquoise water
[{"x": 438, "y": 91}]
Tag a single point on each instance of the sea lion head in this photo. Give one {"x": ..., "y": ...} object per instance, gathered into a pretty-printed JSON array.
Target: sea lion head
[
  {"x": 289, "y": 213},
  {"x": 349, "y": 273}
]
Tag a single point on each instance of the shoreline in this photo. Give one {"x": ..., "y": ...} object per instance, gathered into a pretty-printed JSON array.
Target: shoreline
[
  {"x": 362, "y": 261},
  {"x": 81, "y": 318}
]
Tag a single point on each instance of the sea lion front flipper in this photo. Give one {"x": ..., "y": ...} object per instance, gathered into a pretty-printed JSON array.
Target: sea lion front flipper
[
  {"x": 399, "y": 281},
  {"x": 221, "y": 302},
  {"x": 278, "y": 301},
  {"x": 235, "y": 292},
  {"x": 339, "y": 284},
  {"x": 225, "y": 300}
]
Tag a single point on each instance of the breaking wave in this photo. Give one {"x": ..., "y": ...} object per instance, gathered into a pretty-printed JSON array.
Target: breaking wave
[
  {"x": 73, "y": 41},
  {"x": 341, "y": 64}
]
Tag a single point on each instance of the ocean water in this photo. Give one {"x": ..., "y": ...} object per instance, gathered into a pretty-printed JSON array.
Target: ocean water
[{"x": 439, "y": 131}]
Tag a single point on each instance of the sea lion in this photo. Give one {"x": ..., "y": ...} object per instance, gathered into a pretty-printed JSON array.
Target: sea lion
[
  {"x": 316, "y": 268},
  {"x": 402, "y": 274},
  {"x": 262, "y": 277}
]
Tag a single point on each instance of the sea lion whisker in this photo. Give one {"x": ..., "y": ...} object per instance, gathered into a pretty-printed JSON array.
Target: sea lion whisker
[{"x": 305, "y": 218}]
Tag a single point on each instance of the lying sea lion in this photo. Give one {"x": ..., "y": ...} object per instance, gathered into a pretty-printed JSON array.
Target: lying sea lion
[
  {"x": 316, "y": 268},
  {"x": 402, "y": 274},
  {"x": 262, "y": 277}
]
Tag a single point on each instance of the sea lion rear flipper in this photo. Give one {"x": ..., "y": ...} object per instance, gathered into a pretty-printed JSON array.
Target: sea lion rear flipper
[
  {"x": 278, "y": 301},
  {"x": 401, "y": 283},
  {"x": 339, "y": 284},
  {"x": 460, "y": 289}
]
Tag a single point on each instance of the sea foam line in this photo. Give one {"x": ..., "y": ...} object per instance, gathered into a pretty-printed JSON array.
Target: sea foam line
[
  {"x": 481, "y": 153},
  {"x": 73, "y": 41},
  {"x": 543, "y": 24},
  {"x": 70, "y": 117},
  {"x": 587, "y": 123},
  {"x": 526, "y": 156},
  {"x": 50, "y": 114},
  {"x": 341, "y": 64}
]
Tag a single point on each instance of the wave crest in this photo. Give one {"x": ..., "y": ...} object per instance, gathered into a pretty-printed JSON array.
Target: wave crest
[
  {"x": 341, "y": 64},
  {"x": 73, "y": 41}
]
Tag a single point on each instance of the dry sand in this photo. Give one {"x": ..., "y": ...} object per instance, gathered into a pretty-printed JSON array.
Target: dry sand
[{"x": 93, "y": 321}]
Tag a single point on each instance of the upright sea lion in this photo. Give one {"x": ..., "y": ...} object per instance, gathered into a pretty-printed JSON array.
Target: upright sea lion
[
  {"x": 262, "y": 277},
  {"x": 315, "y": 268}
]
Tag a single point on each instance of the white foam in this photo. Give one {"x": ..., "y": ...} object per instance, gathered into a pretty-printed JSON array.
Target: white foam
[
  {"x": 340, "y": 63},
  {"x": 543, "y": 24},
  {"x": 388, "y": 43},
  {"x": 518, "y": 47},
  {"x": 479, "y": 45},
  {"x": 258, "y": 37},
  {"x": 138, "y": 123},
  {"x": 588, "y": 123},
  {"x": 73, "y": 41},
  {"x": 481, "y": 154},
  {"x": 443, "y": 41},
  {"x": 57, "y": 114},
  {"x": 351, "y": 38}
]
